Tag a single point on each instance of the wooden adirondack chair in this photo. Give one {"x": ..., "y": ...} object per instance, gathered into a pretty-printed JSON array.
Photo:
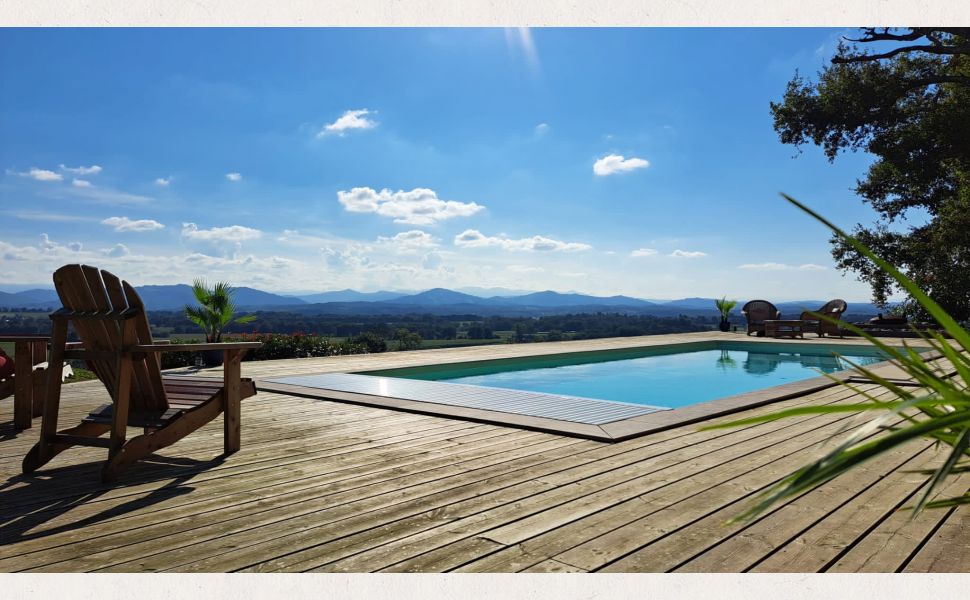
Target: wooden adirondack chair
[{"x": 110, "y": 320}]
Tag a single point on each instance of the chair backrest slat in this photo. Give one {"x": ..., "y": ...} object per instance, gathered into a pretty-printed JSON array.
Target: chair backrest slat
[
  {"x": 84, "y": 288},
  {"x": 150, "y": 365},
  {"x": 72, "y": 289},
  {"x": 142, "y": 382}
]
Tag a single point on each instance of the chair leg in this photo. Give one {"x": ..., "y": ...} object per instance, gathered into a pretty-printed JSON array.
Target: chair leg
[
  {"x": 34, "y": 461},
  {"x": 23, "y": 385},
  {"x": 52, "y": 398},
  {"x": 231, "y": 372},
  {"x": 141, "y": 446}
]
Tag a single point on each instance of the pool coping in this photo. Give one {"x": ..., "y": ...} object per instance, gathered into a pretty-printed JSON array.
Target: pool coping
[{"x": 614, "y": 431}]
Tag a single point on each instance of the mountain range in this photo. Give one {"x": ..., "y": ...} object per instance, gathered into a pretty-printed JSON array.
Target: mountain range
[{"x": 439, "y": 301}]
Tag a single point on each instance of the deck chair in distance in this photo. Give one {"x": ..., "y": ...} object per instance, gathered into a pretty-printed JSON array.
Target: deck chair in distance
[
  {"x": 116, "y": 342},
  {"x": 756, "y": 312},
  {"x": 833, "y": 309}
]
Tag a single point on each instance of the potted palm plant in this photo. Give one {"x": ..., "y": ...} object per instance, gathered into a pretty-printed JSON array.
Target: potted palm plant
[
  {"x": 725, "y": 306},
  {"x": 215, "y": 312}
]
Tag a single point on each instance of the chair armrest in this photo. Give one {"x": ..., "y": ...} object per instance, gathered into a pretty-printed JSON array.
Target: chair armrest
[{"x": 195, "y": 347}]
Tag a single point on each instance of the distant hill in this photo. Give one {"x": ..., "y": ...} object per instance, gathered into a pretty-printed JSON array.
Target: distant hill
[
  {"x": 174, "y": 297},
  {"x": 36, "y": 298},
  {"x": 491, "y": 292},
  {"x": 551, "y": 299},
  {"x": 350, "y": 296},
  {"x": 438, "y": 301},
  {"x": 437, "y": 297}
]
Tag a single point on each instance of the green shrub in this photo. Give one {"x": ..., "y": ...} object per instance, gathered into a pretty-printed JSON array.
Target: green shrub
[{"x": 276, "y": 346}]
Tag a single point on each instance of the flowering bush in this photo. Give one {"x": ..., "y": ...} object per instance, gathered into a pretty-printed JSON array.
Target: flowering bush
[{"x": 276, "y": 345}]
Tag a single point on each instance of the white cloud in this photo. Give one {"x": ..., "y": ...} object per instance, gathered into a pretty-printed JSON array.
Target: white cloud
[
  {"x": 643, "y": 252},
  {"x": 687, "y": 254},
  {"x": 116, "y": 251},
  {"x": 164, "y": 181},
  {"x": 524, "y": 269},
  {"x": 410, "y": 241},
  {"x": 47, "y": 250},
  {"x": 97, "y": 194},
  {"x": 233, "y": 233},
  {"x": 40, "y": 215},
  {"x": 431, "y": 261},
  {"x": 92, "y": 170},
  {"x": 353, "y": 257},
  {"x": 232, "y": 177},
  {"x": 616, "y": 163},
  {"x": 420, "y": 206},
  {"x": 81, "y": 183},
  {"x": 126, "y": 224},
  {"x": 541, "y": 129},
  {"x": 774, "y": 266},
  {"x": 42, "y": 175},
  {"x": 352, "y": 119},
  {"x": 767, "y": 266},
  {"x": 472, "y": 238}
]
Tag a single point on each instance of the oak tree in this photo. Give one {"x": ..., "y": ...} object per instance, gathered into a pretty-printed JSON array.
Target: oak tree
[{"x": 903, "y": 96}]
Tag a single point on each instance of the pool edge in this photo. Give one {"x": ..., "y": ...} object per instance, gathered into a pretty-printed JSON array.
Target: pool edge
[{"x": 615, "y": 431}]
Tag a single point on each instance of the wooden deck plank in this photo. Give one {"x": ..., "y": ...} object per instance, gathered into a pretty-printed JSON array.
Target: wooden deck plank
[
  {"x": 353, "y": 543},
  {"x": 760, "y": 538},
  {"x": 571, "y": 484},
  {"x": 887, "y": 547},
  {"x": 948, "y": 548},
  {"x": 591, "y": 542},
  {"x": 816, "y": 547},
  {"x": 362, "y": 469},
  {"x": 329, "y": 486}
]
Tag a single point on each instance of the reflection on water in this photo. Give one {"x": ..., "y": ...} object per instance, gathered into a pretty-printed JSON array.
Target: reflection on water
[
  {"x": 672, "y": 379},
  {"x": 762, "y": 363}
]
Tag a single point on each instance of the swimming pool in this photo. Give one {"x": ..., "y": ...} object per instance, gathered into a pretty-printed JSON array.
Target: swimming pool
[
  {"x": 606, "y": 395},
  {"x": 659, "y": 377}
]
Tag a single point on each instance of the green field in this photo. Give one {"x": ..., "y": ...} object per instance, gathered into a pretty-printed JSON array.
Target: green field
[{"x": 457, "y": 343}]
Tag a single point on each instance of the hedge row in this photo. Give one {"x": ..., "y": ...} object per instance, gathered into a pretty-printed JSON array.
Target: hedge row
[{"x": 276, "y": 346}]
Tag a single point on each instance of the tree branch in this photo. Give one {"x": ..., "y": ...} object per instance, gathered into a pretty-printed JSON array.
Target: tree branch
[
  {"x": 937, "y": 79},
  {"x": 939, "y": 50},
  {"x": 871, "y": 35}
]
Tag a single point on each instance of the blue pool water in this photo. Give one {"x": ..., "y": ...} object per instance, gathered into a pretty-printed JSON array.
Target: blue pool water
[{"x": 648, "y": 376}]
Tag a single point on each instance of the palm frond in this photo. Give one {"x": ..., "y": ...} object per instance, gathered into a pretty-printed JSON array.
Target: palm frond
[{"x": 937, "y": 411}]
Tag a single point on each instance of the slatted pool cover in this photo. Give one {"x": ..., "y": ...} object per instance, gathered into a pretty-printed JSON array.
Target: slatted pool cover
[{"x": 533, "y": 404}]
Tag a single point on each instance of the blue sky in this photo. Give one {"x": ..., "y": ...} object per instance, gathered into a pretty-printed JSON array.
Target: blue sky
[{"x": 604, "y": 161}]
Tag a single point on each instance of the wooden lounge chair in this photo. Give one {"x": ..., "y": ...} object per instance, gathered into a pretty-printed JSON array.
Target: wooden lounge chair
[
  {"x": 833, "y": 309},
  {"x": 25, "y": 379},
  {"x": 757, "y": 312},
  {"x": 110, "y": 320}
]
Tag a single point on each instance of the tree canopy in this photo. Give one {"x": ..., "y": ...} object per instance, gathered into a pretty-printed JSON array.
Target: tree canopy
[{"x": 902, "y": 95}]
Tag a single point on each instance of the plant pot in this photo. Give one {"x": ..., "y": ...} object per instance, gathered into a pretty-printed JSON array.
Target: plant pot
[
  {"x": 725, "y": 325},
  {"x": 212, "y": 358}
]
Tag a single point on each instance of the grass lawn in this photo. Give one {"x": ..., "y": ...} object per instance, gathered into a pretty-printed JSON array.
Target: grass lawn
[
  {"x": 81, "y": 375},
  {"x": 456, "y": 343}
]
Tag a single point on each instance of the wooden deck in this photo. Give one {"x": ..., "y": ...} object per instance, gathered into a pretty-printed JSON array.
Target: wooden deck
[{"x": 328, "y": 486}]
